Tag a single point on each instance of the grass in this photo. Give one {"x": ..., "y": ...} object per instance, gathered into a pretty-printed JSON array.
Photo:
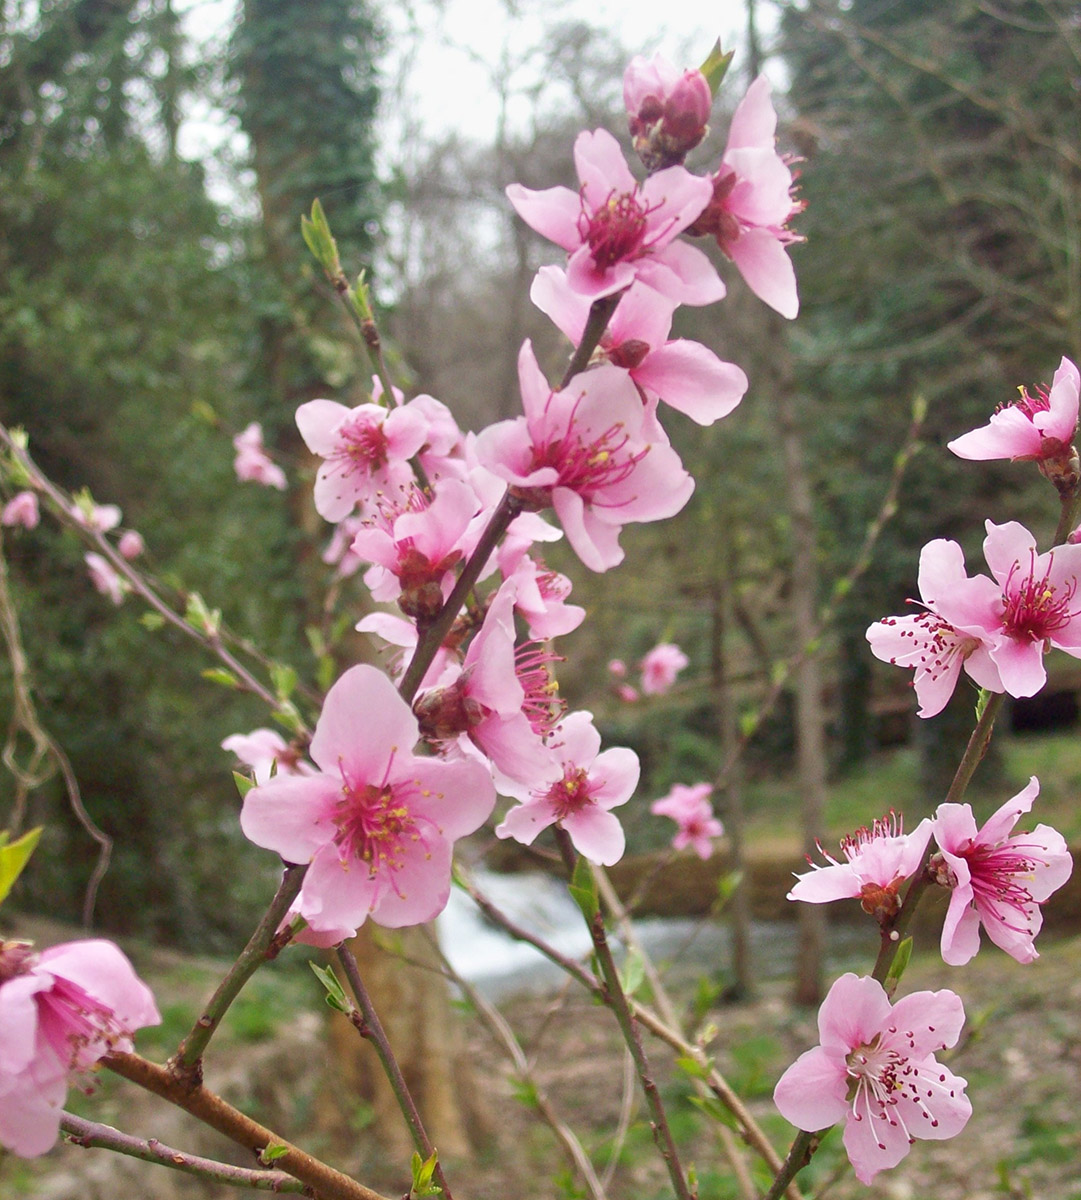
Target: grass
[{"x": 891, "y": 780}]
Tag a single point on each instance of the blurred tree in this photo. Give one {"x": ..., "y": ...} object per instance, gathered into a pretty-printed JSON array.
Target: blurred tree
[{"x": 944, "y": 246}]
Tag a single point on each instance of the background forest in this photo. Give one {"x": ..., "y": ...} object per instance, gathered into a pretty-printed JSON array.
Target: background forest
[{"x": 153, "y": 306}]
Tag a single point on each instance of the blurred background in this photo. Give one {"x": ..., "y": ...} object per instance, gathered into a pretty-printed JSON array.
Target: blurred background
[{"x": 156, "y": 157}]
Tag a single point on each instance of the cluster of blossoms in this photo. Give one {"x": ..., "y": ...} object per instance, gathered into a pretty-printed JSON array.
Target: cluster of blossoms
[
  {"x": 997, "y": 629},
  {"x": 60, "y": 1011},
  {"x": 689, "y": 807},
  {"x": 874, "y": 1068},
  {"x": 417, "y": 504},
  {"x": 659, "y": 668}
]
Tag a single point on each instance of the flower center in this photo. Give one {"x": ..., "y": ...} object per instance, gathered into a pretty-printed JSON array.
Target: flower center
[
  {"x": 615, "y": 231},
  {"x": 364, "y": 443},
  {"x": 998, "y": 878},
  {"x": 1031, "y": 405},
  {"x": 542, "y": 704},
  {"x": 374, "y": 826},
  {"x": 571, "y": 793},
  {"x": 1035, "y": 608}
]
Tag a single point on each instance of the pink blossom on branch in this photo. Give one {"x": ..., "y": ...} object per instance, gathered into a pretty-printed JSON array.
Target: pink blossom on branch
[
  {"x": 22, "y": 509},
  {"x": 377, "y": 823},
  {"x": 877, "y": 860},
  {"x": 952, "y": 632},
  {"x": 616, "y": 230},
  {"x": 366, "y": 451},
  {"x": 252, "y": 463},
  {"x": 875, "y": 1070},
  {"x": 667, "y": 109},
  {"x": 590, "y": 785},
  {"x": 660, "y": 667},
  {"x": 691, "y": 810},
  {"x": 684, "y": 374},
  {"x": 266, "y": 752},
  {"x": 752, "y": 203},
  {"x": 584, "y": 451},
  {"x": 131, "y": 544},
  {"x": 997, "y": 880},
  {"x": 1031, "y": 427},
  {"x": 60, "y": 1011},
  {"x": 104, "y": 577}
]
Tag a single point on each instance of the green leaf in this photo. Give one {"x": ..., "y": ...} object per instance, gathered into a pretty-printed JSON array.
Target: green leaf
[
  {"x": 220, "y": 675},
  {"x": 320, "y": 241},
  {"x": 633, "y": 974},
  {"x": 692, "y": 1067},
  {"x": 272, "y": 1152},
  {"x": 583, "y": 889},
  {"x": 897, "y": 969},
  {"x": 726, "y": 886},
  {"x": 200, "y": 617},
  {"x": 14, "y": 857},
  {"x": 243, "y": 784},
  {"x": 152, "y": 620},
  {"x": 286, "y": 714},
  {"x": 982, "y": 702},
  {"x": 423, "y": 1170},
  {"x": 336, "y": 996},
  {"x": 284, "y": 678},
  {"x": 714, "y": 1109},
  {"x": 716, "y": 67}
]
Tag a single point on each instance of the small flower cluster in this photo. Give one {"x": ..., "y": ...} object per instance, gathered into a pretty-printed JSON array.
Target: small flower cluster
[
  {"x": 659, "y": 669},
  {"x": 875, "y": 1068},
  {"x": 417, "y": 504},
  {"x": 60, "y": 1011}
]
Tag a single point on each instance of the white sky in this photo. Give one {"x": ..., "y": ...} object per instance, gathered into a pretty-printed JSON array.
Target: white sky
[{"x": 445, "y": 51}]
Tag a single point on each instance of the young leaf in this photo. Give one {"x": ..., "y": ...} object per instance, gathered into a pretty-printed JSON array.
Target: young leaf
[
  {"x": 243, "y": 783},
  {"x": 900, "y": 961},
  {"x": 14, "y": 856},
  {"x": 583, "y": 889},
  {"x": 271, "y": 1152},
  {"x": 220, "y": 675},
  {"x": 336, "y": 996}
]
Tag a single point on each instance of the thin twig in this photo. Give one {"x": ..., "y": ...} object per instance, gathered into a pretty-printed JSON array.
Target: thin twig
[
  {"x": 504, "y": 1034},
  {"x": 89, "y": 1134},
  {"x": 212, "y": 1110},
  {"x": 368, "y": 1025},
  {"x": 251, "y": 958}
]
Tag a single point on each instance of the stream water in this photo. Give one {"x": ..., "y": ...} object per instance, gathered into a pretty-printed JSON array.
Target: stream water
[{"x": 499, "y": 966}]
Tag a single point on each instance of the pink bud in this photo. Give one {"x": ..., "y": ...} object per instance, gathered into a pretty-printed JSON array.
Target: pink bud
[
  {"x": 21, "y": 509},
  {"x": 131, "y": 544}
]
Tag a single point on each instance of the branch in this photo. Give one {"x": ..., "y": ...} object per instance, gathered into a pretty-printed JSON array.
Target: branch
[
  {"x": 368, "y": 1025},
  {"x": 212, "y": 1110},
  {"x": 89, "y": 1134},
  {"x": 258, "y": 950}
]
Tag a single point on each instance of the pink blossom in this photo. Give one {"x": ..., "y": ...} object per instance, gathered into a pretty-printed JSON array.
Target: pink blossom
[
  {"x": 875, "y": 1069},
  {"x": 667, "y": 109},
  {"x": 691, "y": 810},
  {"x": 131, "y": 544},
  {"x": 495, "y": 700},
  {"x": 252, "y": 463},
  {"x": 752, "y": 203},
  {"x": 684, "y": 374},
  {"x": 105, "y": 578},
  {"x": 583, "y": 451},
  {"x": 996, "y": 880},
  {"x": 580, "y": 800},
  {"x": 377, "y": 823},
  {"x": 401, "y": 634},
  {"x": 628, "y": 694},
  {"x": 265, "y": 750},
  {"x": 660, "y": 666},
  {"x": 616, "y": 230},
  {"x": 876, "y": 862},
  {"x": 21, "y": 509},
  {"x": 1039, "y": 606},
  {"x": 99, "y": 518},
  {"x": 953, "y": 631},
  {"x": 60, "y": 1011},
  {"x": 617, "y": 668},
  {"x": 540, "y": 596},
  {"x": 1031, "y": 427},
  {"x": 366, "y": 451},
  {"x": 416, "y": 554}
]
